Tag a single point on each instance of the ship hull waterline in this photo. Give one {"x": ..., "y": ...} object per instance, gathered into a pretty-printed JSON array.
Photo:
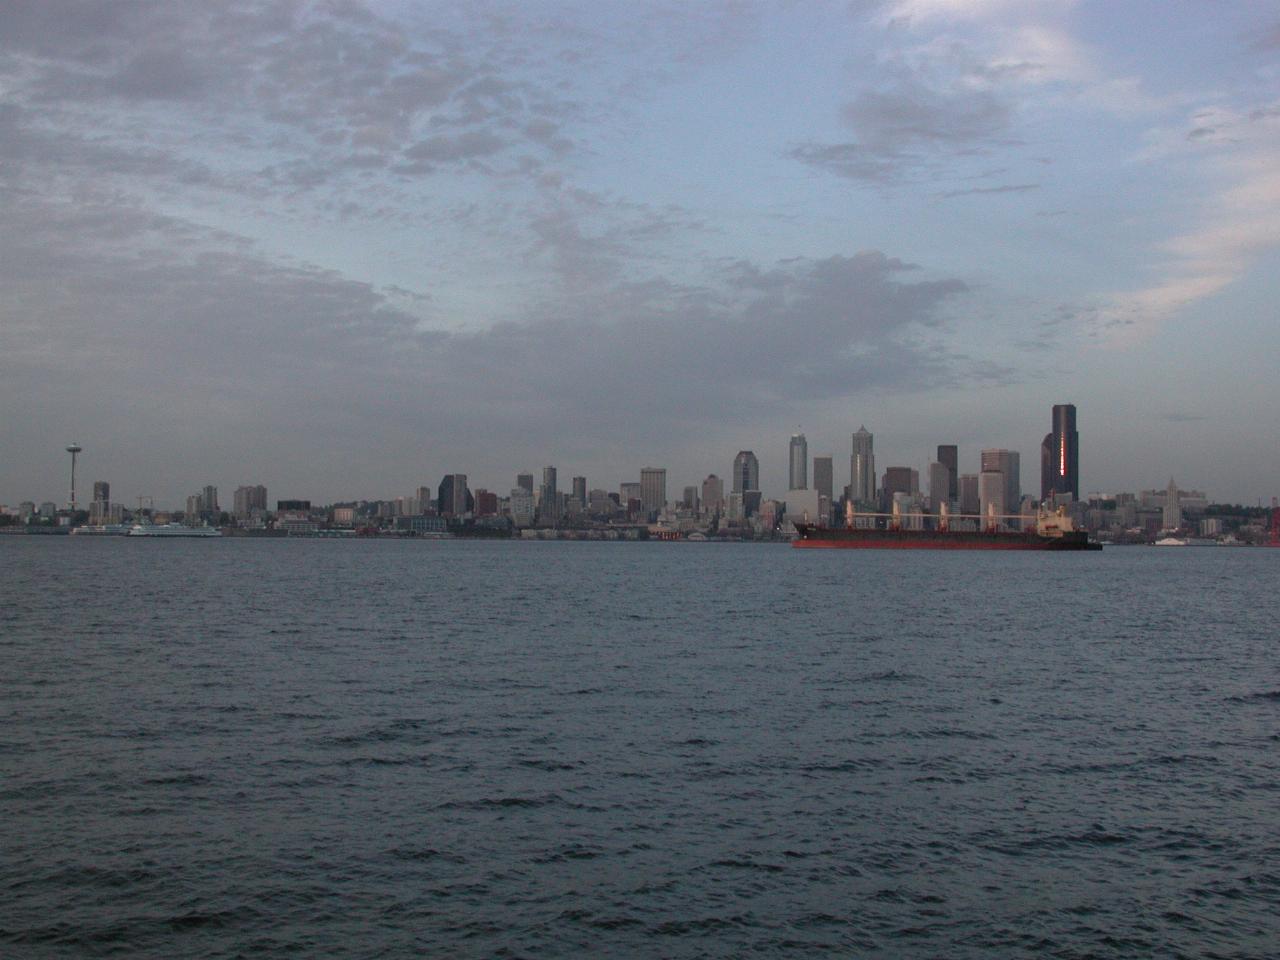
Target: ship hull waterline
[{"x": 862, "y": 539}]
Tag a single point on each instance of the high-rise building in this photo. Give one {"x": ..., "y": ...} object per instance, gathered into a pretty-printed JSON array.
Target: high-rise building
[
  {"x": 600, "y": 504},
  {"x": 209, "y": 500},
  {"x": 746, "y": 472},
  {"x": 862, "y": 467},
  {"x": 548, "y": 498},
  {"x": 969, "y": 501},
  {"x": 712, "y": 493},
  {"x": 899, "y": 480},
  {"x": 525, "y": 481},
  {"x": 104, "y": 511},
  {"x": 992, "y": 489},
  {"x": 521, "y": 505},
  {"x": 949, "y": 456},
  {"x": 1007, "y": 464},
  {"x": 733, "y": 507},
  {"x": 823, "y": 476},
  {"x": 101, "y": 491},
  {"x": 653, "y": 490},
  {"x": 247, "y": 499},
  {"x": 454, "y": 500},
  {"x": 1060, "y": 455},
  {"x": 486, "y": 503},
  {"x": 690, "y": 498},
  {"x": 823, "y": 485},
  {"x": 798, "y": 475},
  {"x": 1172, "y": 507},
  {"x": 939, "y": 485},
  {"x": 425, "y": 499},
  {"x": 580, "y": 491}
]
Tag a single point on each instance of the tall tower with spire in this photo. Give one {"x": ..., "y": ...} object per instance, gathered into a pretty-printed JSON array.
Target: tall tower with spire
[
  {"x": 798, "y": 475},
  {"x": 862, "y": 467}
]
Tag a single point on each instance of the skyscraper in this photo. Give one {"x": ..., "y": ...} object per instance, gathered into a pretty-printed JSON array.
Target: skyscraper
[
  {"x": 521, "y": 504},
  {"x": 525, "y": 481},
  {"x": 823, "y": 476},
  {"x": 970, "y": 503},
  {"x": 862, "y": 467},
  {"x": 1007, "y": 463},
  {"x": 991, "y": 498},
  {"x": 712, "y": 493},
  {"x": 798, "y": 476},
  {"x": 949, "y": 456},
  {"x": 247, "y": 499},
  {"x": 580, "y": 491},
  {"x": 548, "y": 498},
  {"x": 939, "y": 485},
  {"x": 100, "y": 507},
  {"x": 1060, "y": 455},
  {"x": 900, "y": 480},
  {"x": 1172, "y": 508},
  {"x": 653, "y": 490},
  {"x": 454, "y": 499},
  {"x": 746, "y": 472}
]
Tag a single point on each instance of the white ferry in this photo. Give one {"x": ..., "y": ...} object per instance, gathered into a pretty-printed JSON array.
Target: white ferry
[
  {"x": 101, "y": 530},
  {"x": 172, "y": 530}
]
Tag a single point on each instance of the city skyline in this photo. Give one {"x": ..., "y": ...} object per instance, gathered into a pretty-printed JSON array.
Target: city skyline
[
  {"x": 347, "y": 248},
  {"x": 946, "y": 472}
]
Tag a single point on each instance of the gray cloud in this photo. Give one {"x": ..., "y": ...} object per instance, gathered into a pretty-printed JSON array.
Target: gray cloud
[
  {"x": 907, "y": 128},
  {"x": 174, "y": 328},
  {"x": 212, "y": 350},
  {"x": 324, "y": 90},
  {"x": 853, "y": 161},
  {"x": 979, "y": 191},
  {"x": 914, "y": 115}
]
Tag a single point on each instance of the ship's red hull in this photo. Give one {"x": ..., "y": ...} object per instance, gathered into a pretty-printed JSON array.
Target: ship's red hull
[{"x": 844, "y": 538}]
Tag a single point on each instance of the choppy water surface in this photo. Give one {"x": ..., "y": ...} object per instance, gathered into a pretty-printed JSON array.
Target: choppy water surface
[{"x": 360, "y": 749}]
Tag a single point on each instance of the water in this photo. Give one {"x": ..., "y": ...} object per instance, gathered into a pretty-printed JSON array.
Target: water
[{"x": 365, "y": 749}]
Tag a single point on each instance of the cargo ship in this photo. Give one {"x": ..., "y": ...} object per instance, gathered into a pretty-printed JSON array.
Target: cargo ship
[{"x": 1052, "y": 531}]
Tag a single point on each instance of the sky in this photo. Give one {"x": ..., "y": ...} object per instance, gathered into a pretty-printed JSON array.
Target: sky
[{"x": 343, "y": 248}]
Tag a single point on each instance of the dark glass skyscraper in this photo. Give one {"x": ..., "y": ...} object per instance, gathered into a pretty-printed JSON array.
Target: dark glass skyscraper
[
  {"x": 746, "y": 472},
  {"x": 454, "y": 499},
  {"x": 1060, "y": 455},
  {"x": 949, "y": 457}
]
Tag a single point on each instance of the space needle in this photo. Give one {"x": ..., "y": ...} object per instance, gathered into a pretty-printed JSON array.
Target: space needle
[{"x": 73, "y": 449}]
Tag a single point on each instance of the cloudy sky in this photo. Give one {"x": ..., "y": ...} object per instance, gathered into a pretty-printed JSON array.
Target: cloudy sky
[{"x": 342, "y": 248}]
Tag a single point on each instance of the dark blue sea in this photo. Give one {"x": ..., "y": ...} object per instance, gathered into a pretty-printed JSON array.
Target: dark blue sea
[{"x": 272, "y": 748}]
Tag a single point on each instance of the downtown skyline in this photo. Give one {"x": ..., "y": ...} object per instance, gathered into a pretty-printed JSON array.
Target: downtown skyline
[
  {"x": 345, "y": 249},
  {"x": 745, "y": 473}
]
